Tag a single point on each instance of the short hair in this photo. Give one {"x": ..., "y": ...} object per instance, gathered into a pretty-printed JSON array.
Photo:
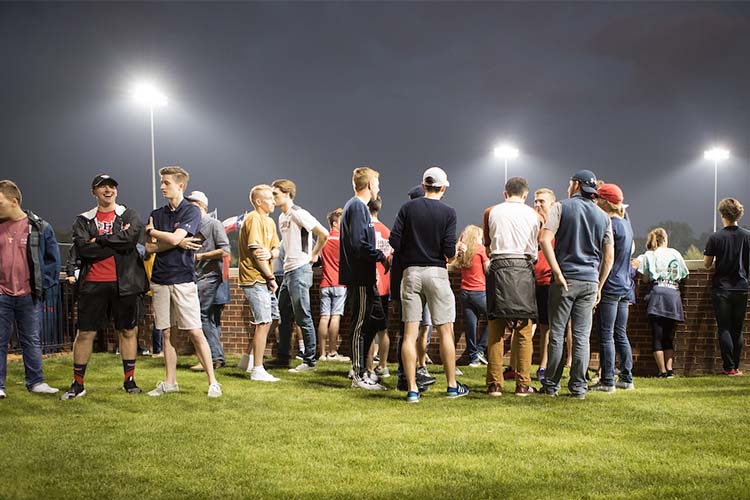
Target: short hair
[
  {"x": 180, "y": 174},
  {"x": 546, "y": 191},
  {"x": 731, "y": 209},
  {"x": 10, "y": 190},
  {"x": 334, "y": 216},
  {"x": 375, "y": 205},
  {"x": 362, "y": 176},
  {"x": 516, "y": 186},
  {"x": 257, "y": 189},
  {"x": 432, "y": 189},
  {"x": 286, "y": 186},
  {"x": 656, "y": 238}
]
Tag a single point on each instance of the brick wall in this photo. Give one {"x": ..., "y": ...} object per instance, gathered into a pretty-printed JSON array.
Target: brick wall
[{"x": 696, "y": 346}]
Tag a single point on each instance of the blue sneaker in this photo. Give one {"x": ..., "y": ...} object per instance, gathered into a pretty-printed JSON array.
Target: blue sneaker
[
  {"x": 540, "y": 374},
  {"x": 458, "y": 391},
  {"x": 412, "y": 397}
]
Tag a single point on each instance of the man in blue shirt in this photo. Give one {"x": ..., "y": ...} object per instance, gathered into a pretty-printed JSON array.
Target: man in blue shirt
[
  {"x": 424, "y": 238},
  {"x": 580, "y": 261},
  {"x": 171, "y": 234},
  {"x": 358, "y": 255}
]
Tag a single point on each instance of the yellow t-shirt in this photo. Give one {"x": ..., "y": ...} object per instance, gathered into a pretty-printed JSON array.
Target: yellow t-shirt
[{"x": 257, "y": 231}]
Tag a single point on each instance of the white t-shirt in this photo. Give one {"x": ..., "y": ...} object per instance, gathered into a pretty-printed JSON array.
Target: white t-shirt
[
  {"x": 296, "y": 227},
  {"x": 513, "y": 228}
]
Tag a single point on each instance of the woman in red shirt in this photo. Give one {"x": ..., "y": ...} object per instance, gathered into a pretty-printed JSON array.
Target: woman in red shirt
[{"x": 472, "y": 260}]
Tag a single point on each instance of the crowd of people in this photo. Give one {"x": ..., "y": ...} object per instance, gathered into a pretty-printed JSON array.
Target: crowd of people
[{"x": 541, "y": 271}]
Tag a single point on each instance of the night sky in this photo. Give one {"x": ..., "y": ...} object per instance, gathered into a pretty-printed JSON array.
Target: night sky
[{"x": 258, "y": 91}]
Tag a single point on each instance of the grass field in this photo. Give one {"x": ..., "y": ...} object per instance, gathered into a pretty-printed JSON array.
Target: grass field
[{"x": 311, "y": 436}]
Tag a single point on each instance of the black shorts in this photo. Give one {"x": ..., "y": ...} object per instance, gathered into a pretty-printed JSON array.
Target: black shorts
[
  {"x": 100, "y": 302},
  {"x": 542, "y": 298},
  {"x": 380, "y": 321}
]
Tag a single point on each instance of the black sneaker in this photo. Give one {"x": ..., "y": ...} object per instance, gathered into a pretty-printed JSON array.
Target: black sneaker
[
  {"x": 424, "y": 377},
  {"x": 76, "y": 390},
  {"x": 278, "y": 363},
  {"x": 130, "y": 387},
  {"x": 670, "y": 374},
  {"x": 402, "y": 385}
]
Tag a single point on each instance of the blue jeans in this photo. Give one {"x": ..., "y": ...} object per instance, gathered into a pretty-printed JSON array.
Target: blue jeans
[
  {"x": 294, "y": 303},
  {"x": 474, "y": 305},
  {"x": 208, "y": 286},
  {"x": 26, "y": 314},
  {"x": 576, "y": 304},
  {"x": 613, "y": 321}
]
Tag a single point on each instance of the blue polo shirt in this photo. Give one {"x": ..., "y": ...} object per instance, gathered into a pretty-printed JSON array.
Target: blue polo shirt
[{"x": 176, "y": 265}]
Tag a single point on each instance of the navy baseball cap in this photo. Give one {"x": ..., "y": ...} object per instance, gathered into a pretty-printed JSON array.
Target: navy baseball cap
[
  {"x": 103, "y": 179},
  {"x": 587, "y": 180}
]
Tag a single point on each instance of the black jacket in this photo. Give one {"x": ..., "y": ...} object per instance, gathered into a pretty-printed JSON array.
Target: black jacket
[{"x": 131, "y": 276}]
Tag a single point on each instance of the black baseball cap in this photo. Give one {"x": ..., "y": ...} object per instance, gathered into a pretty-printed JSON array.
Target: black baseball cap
[{"x": 101, "y": 180}]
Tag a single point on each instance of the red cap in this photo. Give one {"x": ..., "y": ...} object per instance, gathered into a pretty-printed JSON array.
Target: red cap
[{"x": 610, "y": 192}]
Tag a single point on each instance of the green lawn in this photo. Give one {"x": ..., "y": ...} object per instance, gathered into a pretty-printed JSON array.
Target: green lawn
[{"x": 311, "y": 436}]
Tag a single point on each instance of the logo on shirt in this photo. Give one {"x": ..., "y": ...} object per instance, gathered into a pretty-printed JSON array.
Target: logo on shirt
[{"x": 104, "y": 227}]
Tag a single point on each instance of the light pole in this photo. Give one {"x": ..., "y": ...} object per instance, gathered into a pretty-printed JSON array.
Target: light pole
[
  {"x": 506, "y": 152},
  {"x": 146, "y": 93},
  {"x": 716, "y": 154}
]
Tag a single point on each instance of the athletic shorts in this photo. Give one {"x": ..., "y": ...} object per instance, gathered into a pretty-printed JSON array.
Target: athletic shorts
[
  {"x": 381, "y": 323},
  {"x": 176, "y": 305},
  {"x": 542, "y": 299},
  {"x": 263, "y": 304},
  {"x": 431, "y": 286},
  {"x": 332, "y": 300},
  {"x": 100, "y": 302}
]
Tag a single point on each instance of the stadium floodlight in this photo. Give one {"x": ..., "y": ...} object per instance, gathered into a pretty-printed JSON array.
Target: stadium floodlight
[
  {"x": 149, "y": 95},
  {"x": 507, "y": 152},
  {"x": 716, "y": 154}
]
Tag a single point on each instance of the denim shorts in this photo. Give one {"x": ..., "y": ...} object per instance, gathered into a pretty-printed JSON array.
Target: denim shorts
[
  {"x": 263, "y": 303},
  {"x": 332, "y": 300}
]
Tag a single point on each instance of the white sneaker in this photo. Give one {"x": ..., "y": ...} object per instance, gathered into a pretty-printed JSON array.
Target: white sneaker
[
  {"x": 163, "y": 388},
  {"x": 475, "y": 364},
  {"x": 627, "y": 386},
  {"x": 370, "y": 376},
  {"x": 214, "y": 390},
  {"x": 382, "y": 372},
  {"x": 459, "y": 372},
  {"x": 304, "y": 367},
  {"x": 351, "y": 374},
  {"x": 368, "y": 385},
  {"x": 2, "y": 394},
  {"x": 43, "y": 388},
  {"x": 339, "y": 357},
  {"x": 324, "y": 358},
  {"x": 259, "y": 374}
]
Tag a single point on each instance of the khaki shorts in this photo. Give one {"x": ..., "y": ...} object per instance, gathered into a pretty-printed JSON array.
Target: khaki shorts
[
  {"x": 430, "y": 285},
  {"x": 176, "y": 305}
]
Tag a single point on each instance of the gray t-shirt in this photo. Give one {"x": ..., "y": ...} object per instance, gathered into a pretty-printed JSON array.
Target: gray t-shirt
[{"x": 215, "y": 237}]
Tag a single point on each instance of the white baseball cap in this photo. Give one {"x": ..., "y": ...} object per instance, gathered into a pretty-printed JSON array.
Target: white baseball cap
[
  {"x": 198, "y": 196},
  {"x": 435, "y": 176}
]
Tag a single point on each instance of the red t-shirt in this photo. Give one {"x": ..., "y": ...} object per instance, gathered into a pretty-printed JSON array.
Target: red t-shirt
[
  {"x": 330, "y": 255},
  {"x": 542, "y": 270},
  {"x": 103, "y": 270},
  {"x": 382, "y": 233},
  {"x": 473, "y": 278},
  {"x": 14, "y": 267}
]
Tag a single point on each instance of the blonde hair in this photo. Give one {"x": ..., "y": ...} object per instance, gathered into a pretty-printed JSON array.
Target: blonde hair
[
  {"x": 257, "y": 189},
  {"x": 656, "y": 238},
  {"x": 546, "y": 191},
  {"x": 362, "y": 177},
  {"x": 10, "y": 190},
  {"x": 286, "y": 186},
  {"x": 611, "y": 208},
  {"x": 471, "y": 236},
  {"x": 180, "y": 174},
  {"x": 731, "y": 209}
]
